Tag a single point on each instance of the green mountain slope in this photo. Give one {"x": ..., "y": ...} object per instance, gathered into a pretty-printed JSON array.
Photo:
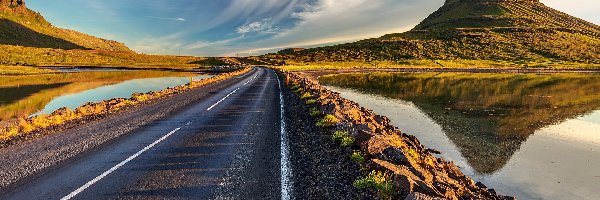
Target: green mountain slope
[
  {"x": 498, "y": 30},
  {"x": 20, "y": 26},
  {"x": 27, "y": 39}
]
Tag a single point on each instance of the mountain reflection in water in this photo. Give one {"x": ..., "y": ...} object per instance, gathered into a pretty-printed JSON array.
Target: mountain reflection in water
[{"x": 488, "y": 116}]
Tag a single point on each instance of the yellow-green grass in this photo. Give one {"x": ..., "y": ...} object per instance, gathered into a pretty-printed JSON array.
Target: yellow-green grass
[
  {"x": 439, "y": 64},
  {"x": 31, "y": 56},
  {"x": 37, "y": 90},
  {"x": 22, "y": 70}
]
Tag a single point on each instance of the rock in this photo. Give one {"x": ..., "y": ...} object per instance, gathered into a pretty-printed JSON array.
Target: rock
[
  {"x": 393, "y": 155},
  {"x": 419, "y": 196},
  {"x": 432, "y": 151}
]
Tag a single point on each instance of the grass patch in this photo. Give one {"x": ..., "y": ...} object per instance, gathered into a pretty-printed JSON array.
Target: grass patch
[
  {"x": 315, "y": 112},
  {"x": 295, "y": 87},
  {"x": 306, "y": 95},
  {"x": 298, "y": 90},
  {"x": 358, "y": 157},
  {"x": 311, "y": 102},
  {"x": 22, "y": 70},
  {"x": 440, "y": 63},
  {"x": 344, "y": 138},
  {"x": 377, "y": 181},
  {"x": 327, "y": 121}
]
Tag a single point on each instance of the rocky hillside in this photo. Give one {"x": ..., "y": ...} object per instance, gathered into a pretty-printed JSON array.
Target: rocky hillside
[
  {"x": 500, "y": 30},
  {"x": 20, "y": 26}
]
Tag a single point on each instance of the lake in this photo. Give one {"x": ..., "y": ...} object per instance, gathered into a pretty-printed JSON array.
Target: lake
[
  {"x": 526, "y": 135},
  {"x": 22, "y": 96}
]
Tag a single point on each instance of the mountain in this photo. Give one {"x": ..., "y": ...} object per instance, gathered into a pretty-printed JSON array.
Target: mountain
[
  {"x": 20, "y": 26},
  {"x": 27, "y": 39},
  {"x": 496, "y": 30}
]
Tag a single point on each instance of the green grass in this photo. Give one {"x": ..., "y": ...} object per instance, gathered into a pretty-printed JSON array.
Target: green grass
[
  {"x": 327, "y": 121},
  {"x": 343, "y": 137},
  {"x": 31, "y": 56},
  {"x": 306, "y": 96},
  {"x": 440, "y": 64},
  {"x": 311, "y": 102},
  {"x": 358, "y": 157},
  {"x": 379, "y": 182},
  {"x": 23, "y": 70},
  {"x": 315, "y": 112}
]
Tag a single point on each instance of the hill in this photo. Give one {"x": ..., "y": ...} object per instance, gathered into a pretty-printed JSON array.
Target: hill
[
  {"x": 496, "y": 30},
  {"x": 21, "y": 26},
  {"x": 27, "y": 39}
]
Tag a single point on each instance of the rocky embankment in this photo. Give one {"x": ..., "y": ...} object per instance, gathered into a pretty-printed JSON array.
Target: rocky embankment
[
  {"x": 64, "y": 118},
  {"x": 396, "y": 165}
]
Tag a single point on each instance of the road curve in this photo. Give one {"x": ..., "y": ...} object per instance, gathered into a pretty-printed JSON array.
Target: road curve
[{"x": 218, "y": 142}]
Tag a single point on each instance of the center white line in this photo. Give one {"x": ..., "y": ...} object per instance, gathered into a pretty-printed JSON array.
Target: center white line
[
  {"x": 98, "y": 178},
  {"x": 251, "y": 79},
  {"x": 211, "y": 107}
]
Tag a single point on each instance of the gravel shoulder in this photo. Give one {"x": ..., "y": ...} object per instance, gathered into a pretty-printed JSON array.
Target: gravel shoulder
[{"x": 320, "y": 168}]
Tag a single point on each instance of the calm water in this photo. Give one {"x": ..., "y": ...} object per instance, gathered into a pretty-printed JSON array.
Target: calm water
[
  {"x": 531, "y": 136},
  {"x": 22, "y": 96}
]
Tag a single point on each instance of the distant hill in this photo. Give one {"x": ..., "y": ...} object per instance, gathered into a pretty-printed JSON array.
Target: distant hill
[
  {"x": 499, "y": 30},
  {"x": 20, "y": 26},
  {"x": 27, "y": 39}
]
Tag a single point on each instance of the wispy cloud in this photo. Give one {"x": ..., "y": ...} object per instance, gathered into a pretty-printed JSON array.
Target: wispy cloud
[
  {"x": 168, "y": 18},
  {"x": 265, "y": 25}
]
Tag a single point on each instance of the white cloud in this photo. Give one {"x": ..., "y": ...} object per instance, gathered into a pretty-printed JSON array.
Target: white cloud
[{"x": 257, "y": 26}]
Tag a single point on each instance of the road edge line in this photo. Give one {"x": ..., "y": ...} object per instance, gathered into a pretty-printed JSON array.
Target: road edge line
[{"x": 286, "y": 170}]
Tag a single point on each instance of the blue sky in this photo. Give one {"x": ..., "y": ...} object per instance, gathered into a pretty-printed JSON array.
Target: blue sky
[{"x": 242, "y": 27}]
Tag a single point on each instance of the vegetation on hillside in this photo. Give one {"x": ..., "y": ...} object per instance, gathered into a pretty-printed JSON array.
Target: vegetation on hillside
[
  {"x": 32, "y": 56},
  {"x": 502, "y": 31},
  {"x": 22, "y": 70},
  {"x": 27, "y": 39},
  {"x": 24, "y": 27}
]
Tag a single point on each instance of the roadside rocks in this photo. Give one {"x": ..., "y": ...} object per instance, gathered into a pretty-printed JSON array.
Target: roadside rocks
[{"x": 415, "y": 172}]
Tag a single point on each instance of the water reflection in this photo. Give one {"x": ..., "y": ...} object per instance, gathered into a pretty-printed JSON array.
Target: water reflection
[
  {"x": 21, "y": 96},
  {"x": 522, "y": 134}
]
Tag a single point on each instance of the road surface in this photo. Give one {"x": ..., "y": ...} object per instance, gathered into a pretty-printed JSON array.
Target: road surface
[{"x": 216, "y": 142}]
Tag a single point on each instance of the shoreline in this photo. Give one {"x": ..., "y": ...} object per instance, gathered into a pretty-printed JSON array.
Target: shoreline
[
  {"x": 317, "y": 73},
  {"x": 408, "y": 168},
  {"x": 24, "y": 129}
]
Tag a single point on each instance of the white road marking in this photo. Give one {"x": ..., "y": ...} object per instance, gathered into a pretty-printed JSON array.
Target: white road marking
[
  {"x": 223, "y": 99},
  {"x": 251, "y": 79},
  {"x": 98, "y": 178},
  {"x": 130, "y": 158},
  {"x": 286, "y": 170}
]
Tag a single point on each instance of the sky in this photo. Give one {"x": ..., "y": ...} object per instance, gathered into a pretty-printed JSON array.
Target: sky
[{"x": 249, "y": 27}]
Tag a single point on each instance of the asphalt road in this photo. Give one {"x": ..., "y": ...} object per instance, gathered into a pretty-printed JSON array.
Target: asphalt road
[{"x": 218, "y": 142}]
